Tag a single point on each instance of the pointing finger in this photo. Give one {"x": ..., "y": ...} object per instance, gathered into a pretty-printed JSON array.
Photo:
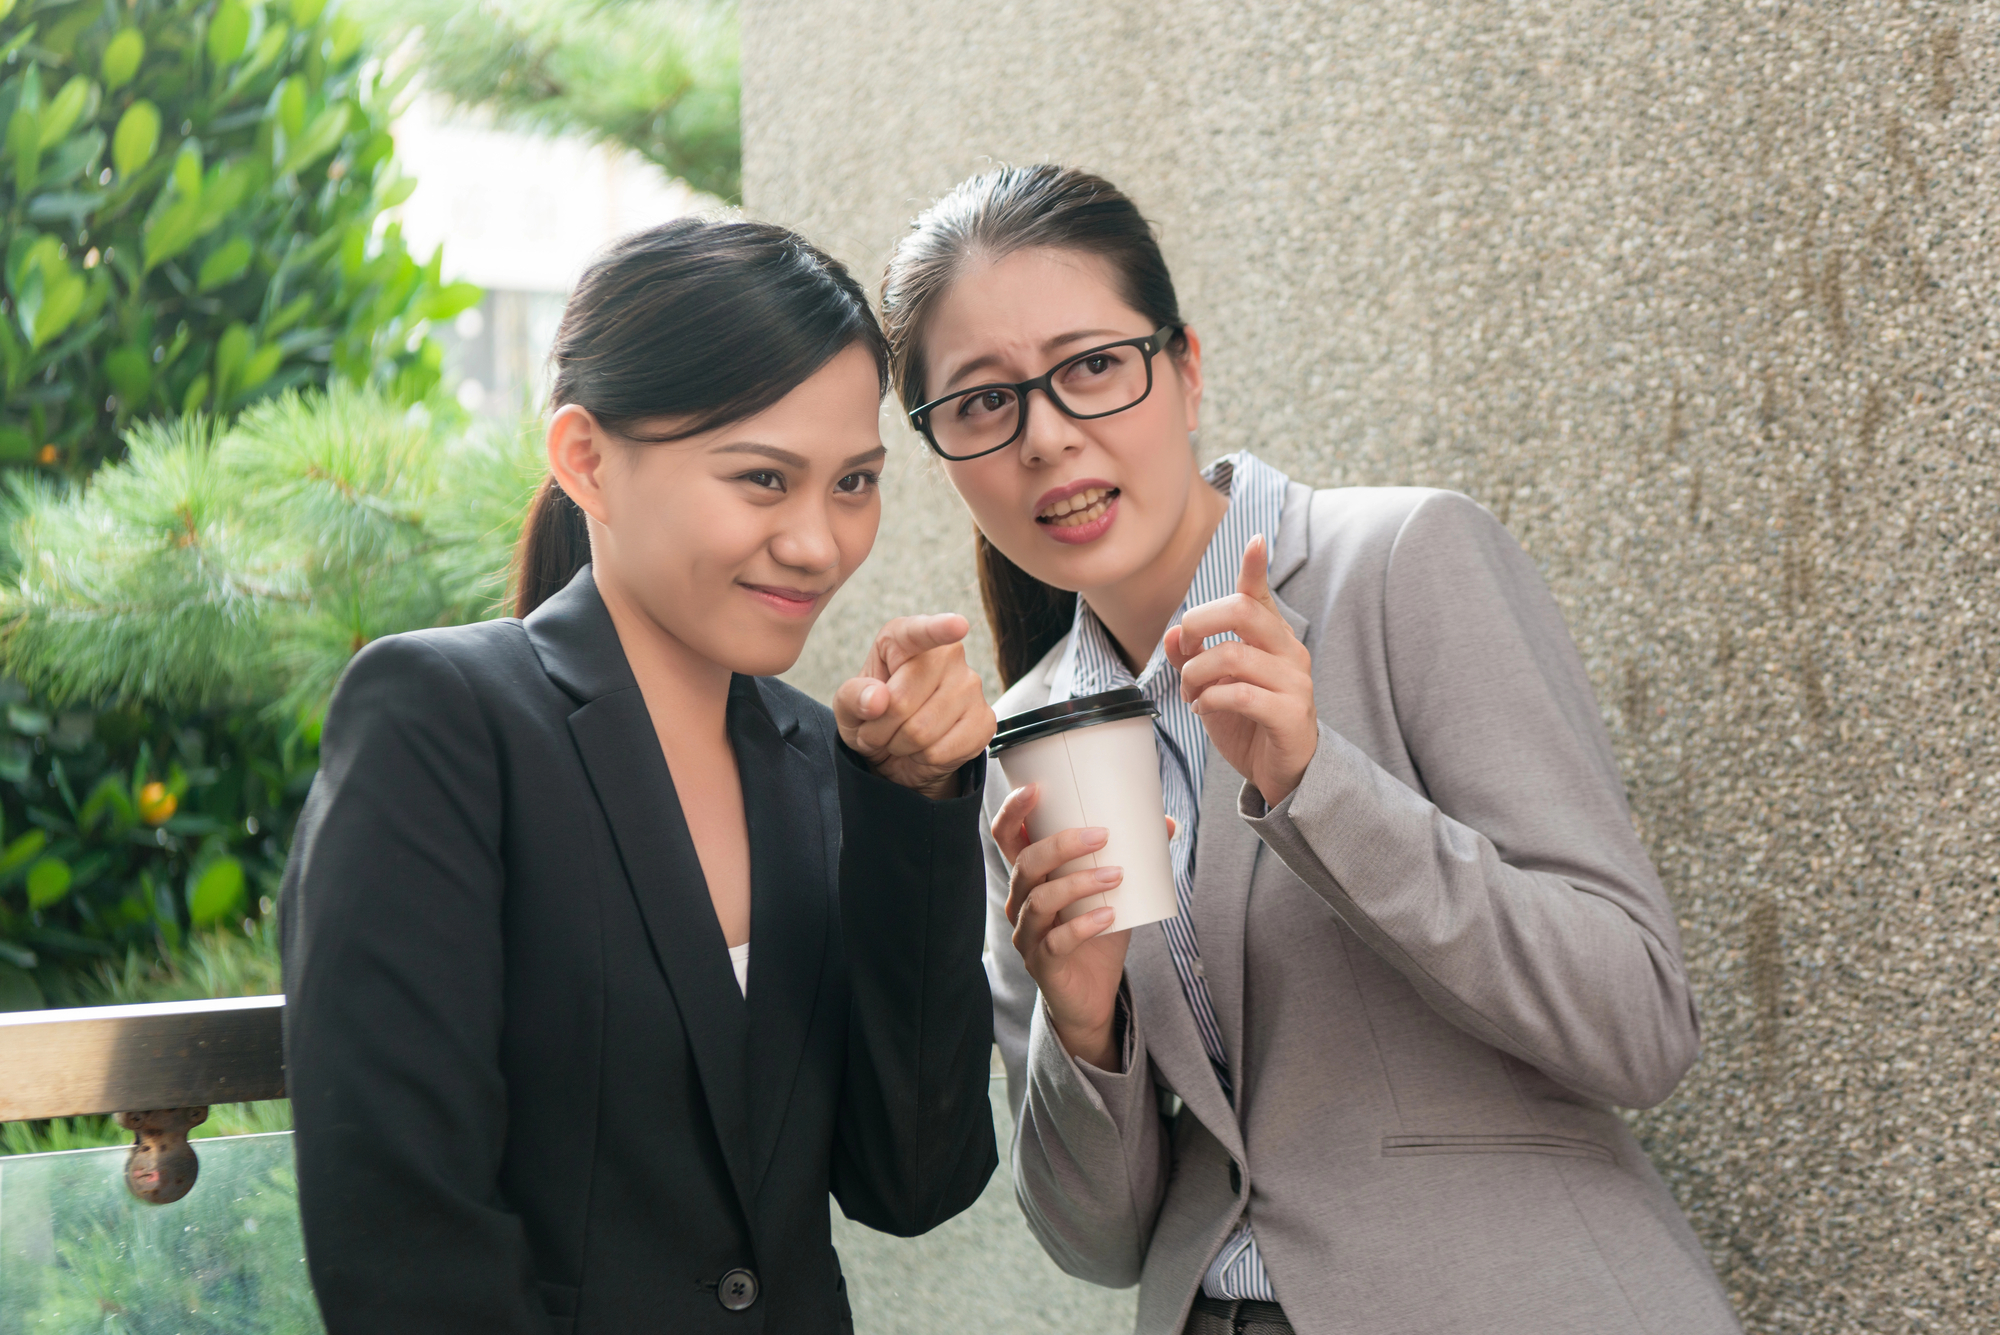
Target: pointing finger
[
  {"x": 1254, "y": 580},
  {"x": 906, "y": 638}
]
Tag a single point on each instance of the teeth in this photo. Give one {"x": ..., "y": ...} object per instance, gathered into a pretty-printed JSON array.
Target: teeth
[{"x": 1080, "y": 508}]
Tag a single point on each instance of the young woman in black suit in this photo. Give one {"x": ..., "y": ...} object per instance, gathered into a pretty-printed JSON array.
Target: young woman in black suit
[{"x": 540, "y": 1084}]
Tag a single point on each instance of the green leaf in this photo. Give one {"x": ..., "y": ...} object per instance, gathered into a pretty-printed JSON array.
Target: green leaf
[
  {"x": 228, "y": 32},
  {"x": 263, "y": 364},
  {"x": 231, "y": 351},
  {"x": 398, "y": 191},
  {"x": 60, "y": 116},
  {"x": 172, "y": 232},
  {"x": 187, "y": 170},
  {"x": 196, "y": 392},
  {"x": 24, "y": 144},
  {"x": 19, "y": 956},
  {"x": 305, "y": 13},
  {"x": 137, "y": 137},
  {"x": 25, "y": 849},
  {"x": 16, "y": 445},
  {"x": 130, "y": 371},
  {"x": 453, "y": 300},
  {"x": 289, "y": 104},
  {"x": 216, "y": 893},
  {"x": 225, "y": 264},
  {"x": 287, "y": 315},
  {"x": 318, "y": 139},
  {"x": 48, "y": 881},
  {"x": 122, "y": 55},
  {"x": 347, "y": 34},
  {"x": 7, "y": 7},
  {"x": 61, "y": 301}
]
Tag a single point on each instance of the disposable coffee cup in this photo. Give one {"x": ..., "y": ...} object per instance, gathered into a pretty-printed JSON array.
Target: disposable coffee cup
[{"x": 1097, "y": 763}]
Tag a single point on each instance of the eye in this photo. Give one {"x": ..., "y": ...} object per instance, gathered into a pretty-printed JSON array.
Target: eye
[
  {"x": 985, "y": 403},
  {"x": 766, "y": 478},
  {"x": 858, "y": 484},
  {"x": 1092, "y": 365}
]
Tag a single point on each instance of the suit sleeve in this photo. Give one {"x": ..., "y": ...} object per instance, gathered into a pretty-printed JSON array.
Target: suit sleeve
[
  {"x": 1512, "y": 892},
  {"x": 914, "y": 1141},
  {"x": 392, "y": 965},
  {"x": 1089, "y": 1152}
]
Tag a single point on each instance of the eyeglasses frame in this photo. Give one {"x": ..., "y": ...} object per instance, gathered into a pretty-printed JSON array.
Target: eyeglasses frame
[{"x": 1151, "y": 344}]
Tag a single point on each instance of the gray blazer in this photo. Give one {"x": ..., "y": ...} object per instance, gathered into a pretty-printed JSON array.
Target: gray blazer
[{"x": 1438, "y": 966}]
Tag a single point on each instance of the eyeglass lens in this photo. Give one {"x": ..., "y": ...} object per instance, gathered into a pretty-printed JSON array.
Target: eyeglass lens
[{"x": 1105, "y": 381}]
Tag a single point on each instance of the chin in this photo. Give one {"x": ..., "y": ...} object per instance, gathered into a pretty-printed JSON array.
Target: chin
[{"x": 761, "y": 655}]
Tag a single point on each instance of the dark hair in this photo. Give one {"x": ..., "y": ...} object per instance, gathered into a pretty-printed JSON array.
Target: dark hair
[
  {"x": 988, "y": 217},
  {"x": 700, "y": 321}
]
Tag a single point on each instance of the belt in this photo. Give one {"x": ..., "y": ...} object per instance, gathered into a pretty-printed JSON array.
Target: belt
[{"x": 1223, "y": 1316}]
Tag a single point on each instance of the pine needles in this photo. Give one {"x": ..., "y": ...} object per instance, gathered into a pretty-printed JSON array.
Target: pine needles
[{"x": 244, "y": 567}]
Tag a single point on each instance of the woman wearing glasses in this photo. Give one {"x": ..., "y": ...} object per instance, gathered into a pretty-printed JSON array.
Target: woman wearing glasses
[{"x": 1365, "y": 1082}]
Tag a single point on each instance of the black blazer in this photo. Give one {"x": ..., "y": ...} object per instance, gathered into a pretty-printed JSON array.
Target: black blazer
[{"x": 529, "y": 1097}]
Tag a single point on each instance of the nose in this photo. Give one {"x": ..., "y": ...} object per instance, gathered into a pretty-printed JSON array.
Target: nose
[
  {"x": 1051, "y": 433},
  {"x": 805, "y": 542}
]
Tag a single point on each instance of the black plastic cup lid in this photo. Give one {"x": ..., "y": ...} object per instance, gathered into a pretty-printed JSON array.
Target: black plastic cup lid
[{"x": 1081, "y": 712}]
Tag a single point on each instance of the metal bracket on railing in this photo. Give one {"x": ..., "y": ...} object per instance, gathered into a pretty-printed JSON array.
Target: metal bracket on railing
[{"x": 162, "y": 1166}]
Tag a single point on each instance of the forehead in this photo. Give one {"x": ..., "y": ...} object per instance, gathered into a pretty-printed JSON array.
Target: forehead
[{"x": 1016, "y": 303}]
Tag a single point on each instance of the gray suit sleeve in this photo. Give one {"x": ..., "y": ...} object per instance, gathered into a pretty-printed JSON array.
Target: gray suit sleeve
[
  {"x": 1089, "y": 1153},
  {"x": 1512, "y": 892}
]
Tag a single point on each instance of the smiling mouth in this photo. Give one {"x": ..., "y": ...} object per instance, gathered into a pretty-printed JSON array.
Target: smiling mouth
[
  {"x": 1083, "y": 508},
  {"x": 783, "y": 597}
]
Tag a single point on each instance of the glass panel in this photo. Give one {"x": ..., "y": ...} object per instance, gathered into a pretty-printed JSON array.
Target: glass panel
[
  {"x": 982, "y": 1273},
  {"x": 78, "y": 1254}
]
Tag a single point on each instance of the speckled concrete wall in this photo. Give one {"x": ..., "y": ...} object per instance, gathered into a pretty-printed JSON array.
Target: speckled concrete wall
[{"x": 1703, "y": 299}]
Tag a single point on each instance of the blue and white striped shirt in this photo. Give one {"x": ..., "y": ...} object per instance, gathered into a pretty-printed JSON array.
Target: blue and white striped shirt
[{"x": 1092, "y": 663}]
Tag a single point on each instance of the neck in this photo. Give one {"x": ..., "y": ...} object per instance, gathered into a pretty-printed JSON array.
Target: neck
[
  {"x": 673, "y": 678},
  {"x": 1136, "y": 610}
]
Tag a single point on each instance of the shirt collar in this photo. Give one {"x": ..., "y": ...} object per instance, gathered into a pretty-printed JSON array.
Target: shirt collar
[{"x": 1256, "y": 491}]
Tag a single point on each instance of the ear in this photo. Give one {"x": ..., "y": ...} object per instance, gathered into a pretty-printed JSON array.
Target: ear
[
  {"x": 578, "y": 455},
  {"x": 1188, "y": 365}
]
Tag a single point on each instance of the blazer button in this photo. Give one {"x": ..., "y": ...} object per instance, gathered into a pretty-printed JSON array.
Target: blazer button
[
  {"x": 1236, "y": 1177},
  {"x": 737, "y": 1290}
]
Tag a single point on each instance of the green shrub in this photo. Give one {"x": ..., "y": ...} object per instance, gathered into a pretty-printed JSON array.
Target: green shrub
[
  {"x": 192, "y": 192},
  {"x": 185, "y": 615}
]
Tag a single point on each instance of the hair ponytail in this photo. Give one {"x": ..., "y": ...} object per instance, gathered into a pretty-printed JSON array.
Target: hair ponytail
[
  {"x": 1027, "y": 616},
  {"x": 554, "y": 545}
]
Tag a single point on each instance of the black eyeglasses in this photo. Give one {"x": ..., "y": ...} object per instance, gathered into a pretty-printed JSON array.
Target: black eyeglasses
[{"x": 1097, "y": 383}]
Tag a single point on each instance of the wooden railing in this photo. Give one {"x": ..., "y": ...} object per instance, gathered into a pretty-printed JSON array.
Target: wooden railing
[{"x": 156, "y": 1067}]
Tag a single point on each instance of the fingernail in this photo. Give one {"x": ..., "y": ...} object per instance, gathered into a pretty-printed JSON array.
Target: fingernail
[
  {"x": 1095, "y": 835},
  {"x": 1108, "y": 875}
]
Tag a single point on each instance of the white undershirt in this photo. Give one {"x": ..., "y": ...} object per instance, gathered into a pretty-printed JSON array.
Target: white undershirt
[{"x": 739, "y": 957}]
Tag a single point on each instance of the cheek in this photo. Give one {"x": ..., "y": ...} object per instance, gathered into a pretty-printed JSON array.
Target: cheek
[
  {"x": 854, "y": 530},
  {"x": 992, "y": 489}
]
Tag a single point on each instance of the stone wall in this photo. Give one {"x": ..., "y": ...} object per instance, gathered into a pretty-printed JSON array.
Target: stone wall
[{"x": 1703, "y": 300}]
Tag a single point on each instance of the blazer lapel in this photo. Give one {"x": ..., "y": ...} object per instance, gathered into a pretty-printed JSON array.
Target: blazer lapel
[
  {"x": 1171, "y": 1039},
  {"x": 1225, "y": 859},
  {"x": 573, "y": 635},
  {"x": 1226, "y": 851},
  {"x": 791, "y": 883}
]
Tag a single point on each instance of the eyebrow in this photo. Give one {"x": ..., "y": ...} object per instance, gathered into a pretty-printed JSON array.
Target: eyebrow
[
  {"x": 799, "y": 461},
  {"x": 1060, "y": 340}
]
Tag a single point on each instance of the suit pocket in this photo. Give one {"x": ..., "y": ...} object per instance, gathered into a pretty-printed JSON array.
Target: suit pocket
[{"x": 1530, "y": 1142}]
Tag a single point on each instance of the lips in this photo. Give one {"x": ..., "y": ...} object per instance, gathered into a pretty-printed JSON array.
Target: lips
[
  {"x": 1079, "y": 508},
  {"x": 792, "y": 602}
]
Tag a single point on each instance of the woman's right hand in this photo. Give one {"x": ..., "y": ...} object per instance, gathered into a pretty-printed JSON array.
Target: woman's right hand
[{"x": 1076, "y": 964}]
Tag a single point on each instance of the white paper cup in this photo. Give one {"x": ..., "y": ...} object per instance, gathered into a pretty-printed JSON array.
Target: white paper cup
[{"x": 1097, "y": 763}]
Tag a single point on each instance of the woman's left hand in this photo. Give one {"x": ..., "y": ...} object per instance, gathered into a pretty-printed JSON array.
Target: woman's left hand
[
  {"x": 917, "y": 711},
  {"x": 1254, "y": 693}
]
